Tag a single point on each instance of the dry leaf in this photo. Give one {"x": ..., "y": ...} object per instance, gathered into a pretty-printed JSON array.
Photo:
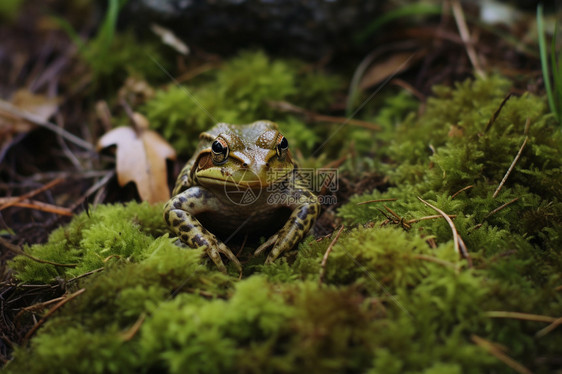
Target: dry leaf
[
  {"x": 141, "y": 158},
  {"x": 169, "y": 38},
  {"x": 40, "y": 106},
  {"x": 389, "y": 67}
]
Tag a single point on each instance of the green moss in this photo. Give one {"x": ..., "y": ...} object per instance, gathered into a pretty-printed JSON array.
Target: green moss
[
  {"x": 93, "y": 240},
  {"x": 393, "y": 298},
  {"x": 239, "y": 93}
]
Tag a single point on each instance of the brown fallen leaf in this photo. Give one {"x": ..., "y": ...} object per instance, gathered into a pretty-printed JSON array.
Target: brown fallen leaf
[
  {"x": 389, "y": 67},
  {"x": 141, "y": 158},
  {"x": 40, "y": 106}
]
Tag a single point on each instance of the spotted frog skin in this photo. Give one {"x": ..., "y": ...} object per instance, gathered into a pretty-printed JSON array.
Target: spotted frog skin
[{"x": 241, "y": 181}]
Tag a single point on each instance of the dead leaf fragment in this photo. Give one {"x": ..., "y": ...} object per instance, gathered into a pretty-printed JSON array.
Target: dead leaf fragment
[
  {"x": 389, "y": 67},
  {"x": 141, "y": 158},
  {"x": 40, "y": 106},
  {"x": 169, "y": 38}
]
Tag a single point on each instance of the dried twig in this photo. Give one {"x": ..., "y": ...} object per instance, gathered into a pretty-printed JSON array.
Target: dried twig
[
  {"x": 459, "y": 245},
  {"x": 497, "y": 352},
  {"x": 375, "y": 201},
  {"x": 7, "y": 107},
  {"x": 325, "y": 258},
  {"x": 37, "y": 205},
  {"x": 38, "y": 306},
  {"x": 408, "y": 87},
  {"x": 31, "y": 193},
  {"x": 465, "y": 36},
  {"x": 130, "y": 334},
  {"x": 99, "y": 184},
  {"x": 51, "y": 311},
  {"x": 85, "y": 274},
  {"x": 496, "y": 113},
  {"x": 315, "y": 117},
  {"x": 557, "y": 322},
  {"x": 501, "y": 207},
  {"x": 416, "y": 220},
  {"x": 19, "y": 251},
  {"x": 518, "y": 315},
  {"x": 461, "y": 190},
  {"x": 394, "y": 218},
  {"x": 511, "y": 167}
]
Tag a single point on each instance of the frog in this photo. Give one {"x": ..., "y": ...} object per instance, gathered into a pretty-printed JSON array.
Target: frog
[{"x": 242, "y": 180}]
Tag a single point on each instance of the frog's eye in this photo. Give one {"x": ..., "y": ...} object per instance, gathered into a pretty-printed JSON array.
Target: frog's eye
[
  {"x": 282, "y": 145},
  {"x": 220, "y": 151}
]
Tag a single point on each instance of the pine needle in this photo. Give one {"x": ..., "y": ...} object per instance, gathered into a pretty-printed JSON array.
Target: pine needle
[
  {"x": 496, "y": 352},
  {"x": 325, "y": 258},
  {"x": 511, "y": 167},
  {"x": 459, "y": 245}
]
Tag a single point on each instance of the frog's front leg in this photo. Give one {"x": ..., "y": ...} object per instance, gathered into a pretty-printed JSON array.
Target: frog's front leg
[
  {"x": 179, "y": 214},
  {"x": 306, "y": 208}
]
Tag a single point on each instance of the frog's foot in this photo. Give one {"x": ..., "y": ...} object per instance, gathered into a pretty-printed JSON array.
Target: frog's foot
[
  {"x": 279, "y": 246},
  {"x": 214, "y": 253},
  {"x": 268, "y": 243}
]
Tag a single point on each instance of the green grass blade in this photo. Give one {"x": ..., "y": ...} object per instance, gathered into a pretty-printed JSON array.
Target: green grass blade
[
  {"x": 72, "y": 34},
  {"x": 544, "y": 60},
  {"x": 107, "y": 30},
  {"x": 556, "y": 63}
]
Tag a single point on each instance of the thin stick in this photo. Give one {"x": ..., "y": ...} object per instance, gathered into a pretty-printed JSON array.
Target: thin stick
[
  {"x": 461, "y": 190},
  {"x": 416, "y": 220},
  {"x": 51, "y": 311},
  {"x": 39, "y": 305},
  {"x": 495, "y": 351},
  {"x": 85, "y": 274},
  {"x": 496, "y": 113},
  {"x": 325, "y": 258},
  {"x": 130, "y": 334},
  {"x": 37, "y": 205},
  {"x": 465, "y": 36},
  {"x": 518, "y": 315},
  {"x": 459, "y": 245},
  {"x": 315, "y": 117},
  {"x": 31, "y": 193},
  {"x": 549, "y": 328},
  {"x": 501, "y": 207},
  {"x": 5, "y": 106},
  {"x": 375, "y": 201},
  {"x": 392, "y": 212},
  {"x": 19, "y": 251},
  {"x": 94, "y": 188},
  {"x": 408, "y": 87},
  {"x": 511, "y": 167}
]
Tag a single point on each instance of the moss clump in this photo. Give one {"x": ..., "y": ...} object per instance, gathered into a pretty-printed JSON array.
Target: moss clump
[
  {"x": 93, "y": 240},
  {"x": 393, "y": 299},
  {"x": 239, "y": 93}
]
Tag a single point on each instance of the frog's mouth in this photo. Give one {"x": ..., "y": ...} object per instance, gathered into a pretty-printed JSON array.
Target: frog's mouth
[
  {"x": 242, "y": 179},
  {"x": 231, "y": 183}
]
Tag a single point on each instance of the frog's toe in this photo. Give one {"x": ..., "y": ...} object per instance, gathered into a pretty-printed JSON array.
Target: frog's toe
[
  {"x": 231, "y": 256},
  {"x": 216, "y": 257},
  {"x": 268, "y": 243},
  {"x": 273, "y": 255}
]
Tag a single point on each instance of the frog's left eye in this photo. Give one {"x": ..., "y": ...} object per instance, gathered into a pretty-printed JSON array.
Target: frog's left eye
[
  {"x": 220, "y": 151},
  {"x": 282, "y": 145}
]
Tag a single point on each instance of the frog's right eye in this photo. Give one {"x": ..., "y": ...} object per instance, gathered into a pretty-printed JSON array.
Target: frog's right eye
[{"x": 220, "y": 151}]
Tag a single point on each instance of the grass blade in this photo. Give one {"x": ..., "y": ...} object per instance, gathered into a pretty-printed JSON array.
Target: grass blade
[{"x": 544, "y": 60}]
